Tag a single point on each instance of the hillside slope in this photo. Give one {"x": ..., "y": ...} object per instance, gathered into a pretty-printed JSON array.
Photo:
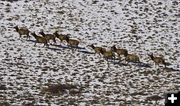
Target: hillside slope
[{"x": 56, "y": 75}]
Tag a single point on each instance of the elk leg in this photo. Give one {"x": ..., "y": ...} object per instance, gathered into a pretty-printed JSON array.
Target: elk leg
[
  {"x": 20, "y": 36},
  {"x": 35, "y": 44}
]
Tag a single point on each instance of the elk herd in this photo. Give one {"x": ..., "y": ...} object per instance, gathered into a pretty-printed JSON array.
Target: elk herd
[{"x": 121, "y": 53}]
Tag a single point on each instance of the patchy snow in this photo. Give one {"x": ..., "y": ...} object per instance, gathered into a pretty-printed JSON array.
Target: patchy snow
[{"x": 140, "y": 26}]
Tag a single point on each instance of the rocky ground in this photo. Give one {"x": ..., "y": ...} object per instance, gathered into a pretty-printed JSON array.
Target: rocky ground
[{"x": 57, "y": 75}]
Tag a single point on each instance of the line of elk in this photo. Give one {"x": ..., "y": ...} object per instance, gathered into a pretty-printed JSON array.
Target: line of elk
[{"x": 73, "y": 43}]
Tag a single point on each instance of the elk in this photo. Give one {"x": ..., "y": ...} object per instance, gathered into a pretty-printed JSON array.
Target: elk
[
  {"x": 40, "y": 39},
  {"x": 48, "y": 36},
  {"x": 97, "y": 49},
  {"x": 119, "y": 51},
  {"x": 22, "y": 31},
  {"x": 107, "y": 54},
  {"x": 72, "y": 42},
  {"x": 60, "y": 36},
  {"x": 157, "y": 60},
  {"x": 132, "y": 58}
]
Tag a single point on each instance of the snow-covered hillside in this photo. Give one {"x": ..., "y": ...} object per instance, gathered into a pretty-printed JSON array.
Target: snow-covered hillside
[{"x": 56, "y": 75}]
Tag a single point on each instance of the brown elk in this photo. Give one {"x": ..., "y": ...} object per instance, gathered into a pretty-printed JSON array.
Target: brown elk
[
  {"x": 157, "y": 60},
  {"x": 119, "y": 51},
  {"x": 97, "y": 49},
  {"x": 72, "y": 42},
  {"x": 48, "y": 36},
  {"x": 61, "y": 37},
  {"x": 40, "y": 39},
  {"x": 132, "y": 58},
  {"x": 22, "y": 31}
]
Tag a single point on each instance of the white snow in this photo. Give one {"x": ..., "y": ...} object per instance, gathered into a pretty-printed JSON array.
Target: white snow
[{"x": 25, "y": 68}]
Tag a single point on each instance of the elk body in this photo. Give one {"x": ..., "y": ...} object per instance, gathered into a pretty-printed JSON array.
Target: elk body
[
  {"x": 60, "y": 36},
  {"x": 97, "y": 49},
  {"x": 157, "y": 60},
  {"x": 72, "y": 42},
  {"x": 107, "y": 54},
  {"x": 40, "y": 39},
  {"x": 132, "y": 58},
  {"x": 119, "y": 51},
  {"x": 22, "y": 31},
  {"x": 48, "y": 36}
]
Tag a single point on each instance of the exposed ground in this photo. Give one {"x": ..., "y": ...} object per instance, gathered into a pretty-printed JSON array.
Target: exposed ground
[{"x": 36, "y": 75}]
